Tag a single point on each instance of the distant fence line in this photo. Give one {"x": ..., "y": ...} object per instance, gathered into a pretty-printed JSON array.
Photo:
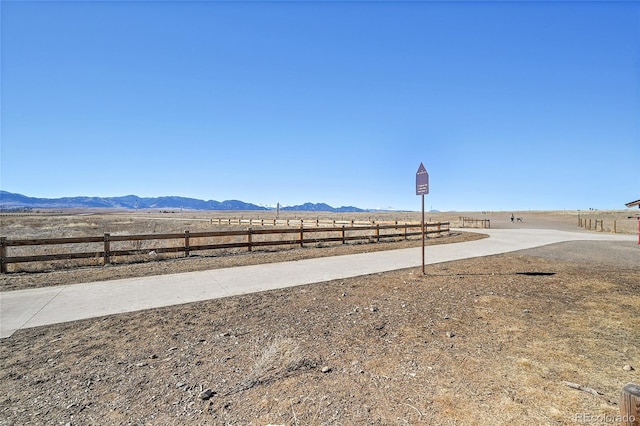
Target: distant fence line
[
  {"x": 468, "y": 222},
  {"x": 188, "y": 242},
  {"x": 301, "y": 222},
  {"x": 596, "y": 225}
]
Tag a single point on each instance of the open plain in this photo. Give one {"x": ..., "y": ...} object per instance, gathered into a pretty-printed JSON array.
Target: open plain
[{"x": 490, "y": 340}]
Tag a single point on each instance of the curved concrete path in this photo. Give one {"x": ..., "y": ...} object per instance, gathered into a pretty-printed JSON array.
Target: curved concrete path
[{"x": 51, "y": 305}]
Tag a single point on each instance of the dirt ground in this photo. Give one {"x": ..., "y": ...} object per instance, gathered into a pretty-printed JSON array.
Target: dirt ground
[{"x": 485, "y": 341}]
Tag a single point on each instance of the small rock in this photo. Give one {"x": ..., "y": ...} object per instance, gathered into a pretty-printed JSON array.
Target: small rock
[
  {"x": 628, "y": 368},
  {"x": 180, "y": 385},
  {"x": 154, "y": 356},
  {"x": 450, "y": 334},
  {"x": 526, "y": 311},
  {"x": 373, "y": 309},
  {"x": 326, "y": 369},
  {"x": 206, "y": 394},
  {"x": 141, "y": 364}
]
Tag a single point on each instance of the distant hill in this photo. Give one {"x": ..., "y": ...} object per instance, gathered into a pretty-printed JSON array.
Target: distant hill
[
  {"x": 322, "y": 207},
  {"x": 11, "y": 201}
]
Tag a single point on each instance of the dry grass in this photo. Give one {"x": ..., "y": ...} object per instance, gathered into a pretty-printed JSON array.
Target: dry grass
[
  {"x": 485, "y": 341},
  {"x": 281, "y": 359}
]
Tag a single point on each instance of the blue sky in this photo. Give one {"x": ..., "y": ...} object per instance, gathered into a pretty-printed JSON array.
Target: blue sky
[{"x": 509, "y": 105}]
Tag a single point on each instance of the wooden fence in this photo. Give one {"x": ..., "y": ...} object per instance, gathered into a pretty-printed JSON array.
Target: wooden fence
[
  {"x": 468, "y": 222},
  {"x": 295, "y": 222},
  {"x": 104, "y": 247},
  {"x": 630, "y": 405},
  {"x": 596, "y": 225}
]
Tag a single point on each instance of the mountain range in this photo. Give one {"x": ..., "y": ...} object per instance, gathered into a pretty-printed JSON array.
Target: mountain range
[{"x": 10, "y": 201}]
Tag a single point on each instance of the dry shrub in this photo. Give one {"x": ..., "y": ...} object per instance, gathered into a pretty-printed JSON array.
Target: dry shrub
[{"x": 282, "y": 358}]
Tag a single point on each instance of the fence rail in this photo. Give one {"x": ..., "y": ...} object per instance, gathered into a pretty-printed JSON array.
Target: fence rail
[
  {"x": 188, "y": 242},
  {"x": 469, "y": 222},
  {"x": 295, "y": 222}
]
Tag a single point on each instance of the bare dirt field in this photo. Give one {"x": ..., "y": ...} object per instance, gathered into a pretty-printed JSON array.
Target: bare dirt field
[{"x": 485, "y": 341}]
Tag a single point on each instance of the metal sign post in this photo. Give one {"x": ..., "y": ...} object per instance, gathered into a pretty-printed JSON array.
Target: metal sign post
[{"x": 422, "y": 188}]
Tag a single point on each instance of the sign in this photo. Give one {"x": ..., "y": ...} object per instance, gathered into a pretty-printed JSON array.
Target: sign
[
  {"x": 422, "y": 188},
  {"x": 422, "y": 181}
]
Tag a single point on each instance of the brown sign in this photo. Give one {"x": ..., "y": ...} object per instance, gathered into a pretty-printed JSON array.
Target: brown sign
[{"x": 422, "y": 181}]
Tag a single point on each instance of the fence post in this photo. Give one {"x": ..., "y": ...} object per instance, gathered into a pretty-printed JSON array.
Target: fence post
[
  {"x": 301, "y": 234},
  {"x": 186, "y": 243},
  {"x": 3, "y": 254},
  {"x": 377, "y": 232},
  {"x": 615, "y": 230},
  {"x": 344, "y": 241},
  {"x": 249, "y": 239},
  {"x": 107, "y": 249},
  {"x": 630, "y": 405}
]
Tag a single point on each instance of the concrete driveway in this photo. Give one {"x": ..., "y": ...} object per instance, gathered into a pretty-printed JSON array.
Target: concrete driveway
[{"x": 51, "y": 305}]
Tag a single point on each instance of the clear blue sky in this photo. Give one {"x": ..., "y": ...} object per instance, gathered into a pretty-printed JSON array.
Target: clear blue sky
[{"x": 509, "y": 105}]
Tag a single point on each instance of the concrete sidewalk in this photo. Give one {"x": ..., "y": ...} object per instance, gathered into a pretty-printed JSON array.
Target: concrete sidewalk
[{"x": 52, "y": 305}]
